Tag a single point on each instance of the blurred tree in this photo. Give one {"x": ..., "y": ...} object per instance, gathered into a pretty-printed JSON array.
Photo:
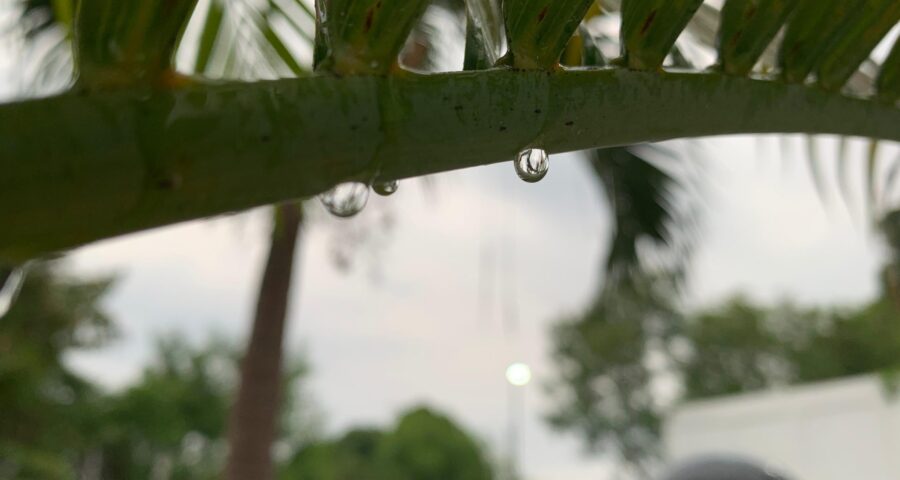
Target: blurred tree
[
  {"x": 171, "y": 424},
  {"x": 47, "y": 412},
  {"x": 424, "y": 445},
  {"x": 603, "y": 386},
  {"x": 733, "y": 349},
  {"x": 354, "y": 456},
  {"x": 848, "y": 342},
  {"x": 744, "y": 347},
  {"x": 605, "y": 357},
  {"x": 890, "y": 227}
]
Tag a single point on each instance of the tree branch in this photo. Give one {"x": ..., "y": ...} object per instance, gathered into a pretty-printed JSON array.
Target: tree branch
[{"x": 78, "y": 168}]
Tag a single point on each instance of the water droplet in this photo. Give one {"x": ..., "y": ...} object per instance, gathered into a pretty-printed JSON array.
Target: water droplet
[
  {"x": 385, "y": 188},
  {"x": 346, "y": 199},
  {"x": 10, "y": 283},
  {"x": 532, "y": 164}
]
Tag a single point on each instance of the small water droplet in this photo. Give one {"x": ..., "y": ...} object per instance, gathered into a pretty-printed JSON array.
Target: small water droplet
[
  {"x": 385, "y": 188},
  {"x": 10, "y": 283},
  {"x": 346, "y": 200},
  {"x": 532, "y": 164}
]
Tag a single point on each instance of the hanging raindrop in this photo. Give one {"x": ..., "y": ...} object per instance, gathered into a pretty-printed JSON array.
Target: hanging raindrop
[
  {"x": 532, "y": 164},
  {"x": 10, "y": 284},
  {"x": 385, "y": 189},
  {"x": 346, "y": 200}
]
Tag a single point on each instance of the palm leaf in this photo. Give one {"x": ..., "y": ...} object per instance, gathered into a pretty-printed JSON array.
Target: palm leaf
[{"x": 125, "y": 157}]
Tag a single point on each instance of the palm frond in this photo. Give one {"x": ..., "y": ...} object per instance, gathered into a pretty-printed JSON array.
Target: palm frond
[
  {"x": 538, "y": 30},
  {"x": 414, "y": 125},
  {"x": 888, "y": 83},
  {"x": 365, "y": 36},
  {"x": 650, "y": 28},
  {"x": 747, "y": 29}
]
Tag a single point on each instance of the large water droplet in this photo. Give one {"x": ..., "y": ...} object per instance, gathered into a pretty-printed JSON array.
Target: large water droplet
[
  {"x": 10, "y": 283},
  {"x": 532, "y": 164},
  {"x": 385, "y": 188},
  {"x": 346, "y": 199}
]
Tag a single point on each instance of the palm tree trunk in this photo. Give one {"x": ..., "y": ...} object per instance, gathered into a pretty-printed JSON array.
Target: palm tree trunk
[{"x": 253, "y": 422}]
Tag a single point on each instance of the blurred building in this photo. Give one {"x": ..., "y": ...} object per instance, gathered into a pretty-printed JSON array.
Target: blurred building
[{"x": 835, "y": 430}]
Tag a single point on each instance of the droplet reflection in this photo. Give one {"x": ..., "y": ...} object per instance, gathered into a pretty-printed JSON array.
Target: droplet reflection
[
  {"x": 385, "y": 189},
  {"x": 346, "y": 200},
  {"x": 532, "y": 164},
  {"x": 10, "y": 283}
]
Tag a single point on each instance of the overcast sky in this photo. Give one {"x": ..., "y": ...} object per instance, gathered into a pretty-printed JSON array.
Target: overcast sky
[{"x": 406, "y": 323}]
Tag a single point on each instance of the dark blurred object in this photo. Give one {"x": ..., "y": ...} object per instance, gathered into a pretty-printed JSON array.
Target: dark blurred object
[{"x": 721, "y": 468}]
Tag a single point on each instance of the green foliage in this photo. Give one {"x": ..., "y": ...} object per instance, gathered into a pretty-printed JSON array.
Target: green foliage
[
  {"x": 747, "y": 27},
  {"x": 363, "y": 36},
  {"x": 810, "y": 31},
  {"x": 650, "y": 28},
  {"x": 127, "y": 42},
  {"x": 603, "y": 389},
  {"x": 733, "y": 350},
  {"x": 538, "y": 30},
  {"x": 47, "y": 411},
  {"x": 888, "y": 82},
  {"x": 426, "y": 445},
  {"x": 743, "y": 347},
  {"x": 352, "y": 456},
  {"x": 890, "y": 228},
  {"x": 603, "y": 356},
  {"x": 168, "y": 424},
  {"x": 855, "y": 40},
  {"x": 173, "y": 418},
  {"x": 423, "y": 445},
  {"x": 863, "y": 340},
  {"x": 172, "y": 422}
]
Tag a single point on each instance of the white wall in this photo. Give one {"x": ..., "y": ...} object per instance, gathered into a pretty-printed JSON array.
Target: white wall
[{"x": 837, "y": 430}]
